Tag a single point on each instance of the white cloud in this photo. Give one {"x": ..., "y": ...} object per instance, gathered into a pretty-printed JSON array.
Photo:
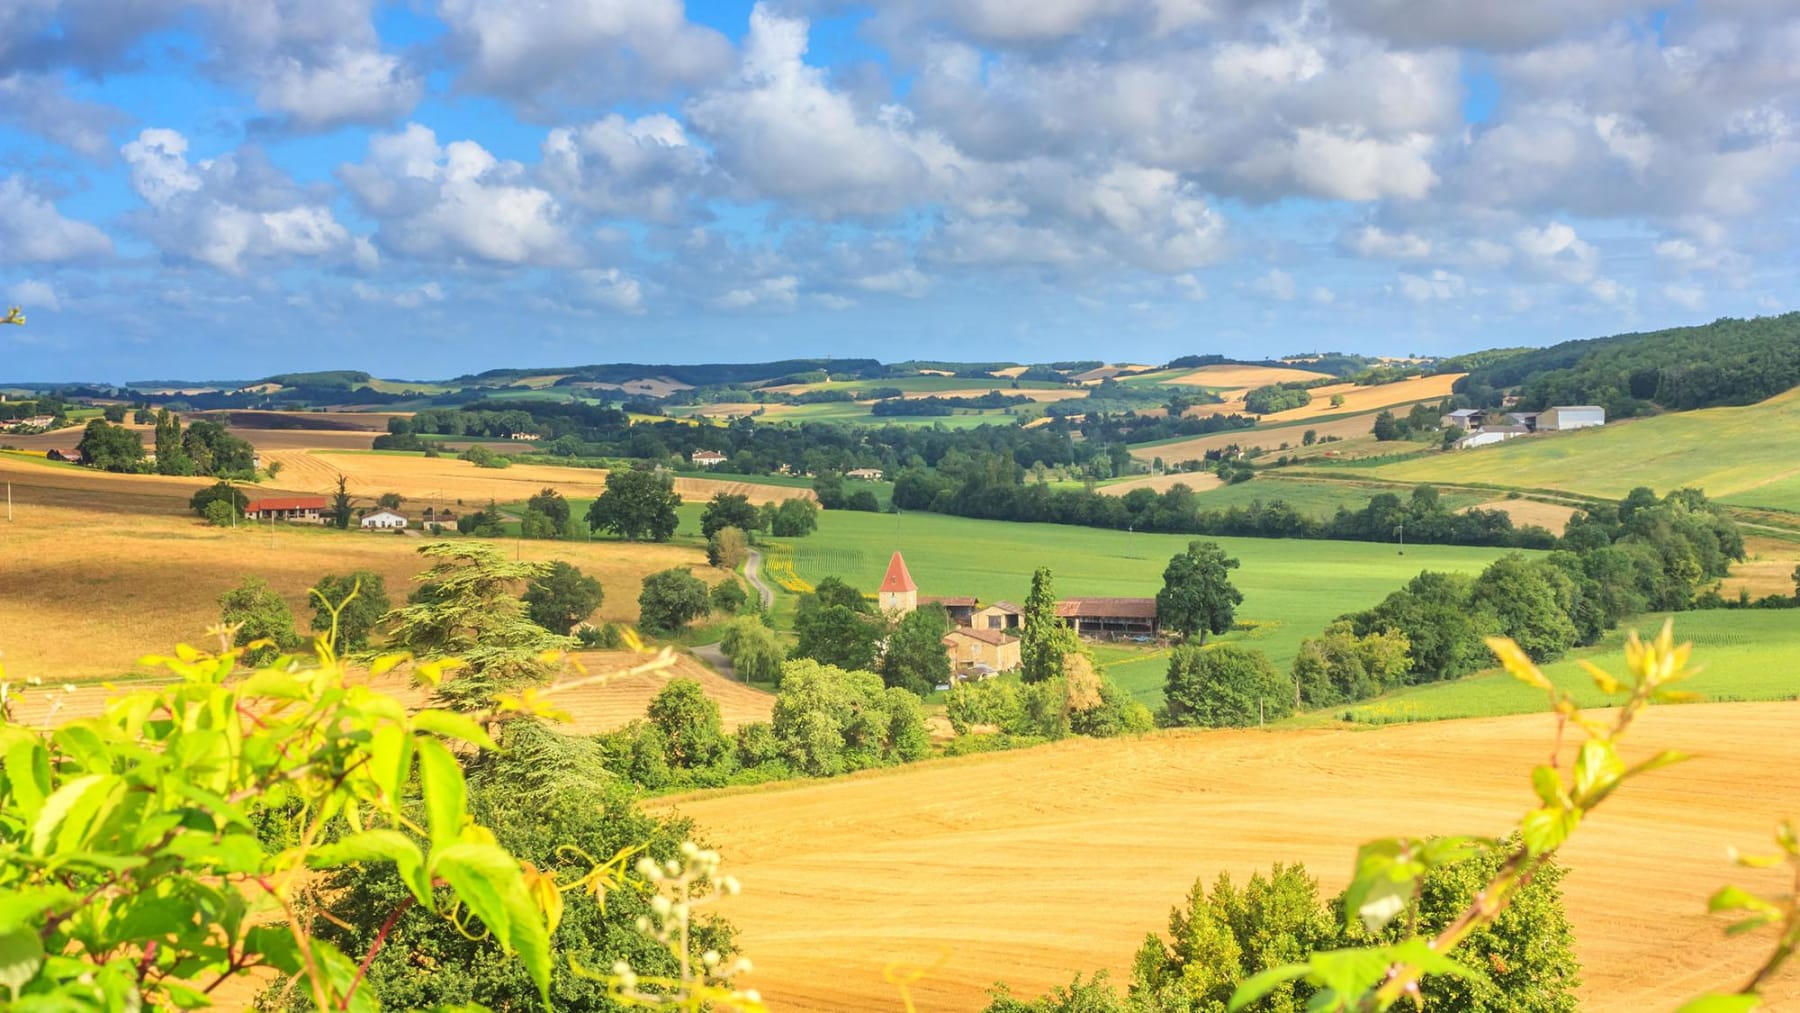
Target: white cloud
[
  {"x": 33, "y": 231},
  {"x": 1612, "y": 293},
  {"x": 646, "y": 168},
  {"x": 226, "y": 211},
  {"x": 1555, "y": 251},
  {"x": 1277, "y": 284},
  {"x": 34, "y": 294},
  {"x": 1438, "y": 286},
  {"x": 456, "y": 200},
  {"x": 905, "y": 281},
  {"x": 349, "y": 86},
  {"x": 611, "y": 288},
  {"x": 1375, "y": 243},
  {"x": 766, "y": 293},
  {"x": 1690, "y": 297}
]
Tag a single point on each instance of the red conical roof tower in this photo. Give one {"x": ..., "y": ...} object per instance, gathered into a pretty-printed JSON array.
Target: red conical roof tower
[{"x": 897, "y": 579}]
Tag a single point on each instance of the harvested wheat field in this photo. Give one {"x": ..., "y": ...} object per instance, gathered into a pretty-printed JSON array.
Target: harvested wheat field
[
  {"x": 1245, "y": 377},
  {"x": 1368, "y": 399},
  {"x": 1768, "y": 568},
  {"x": 1269, "y": 439},
  {"x": 1028, "y": 866},
  {"x": 446, "y": 480},
  {"x": 1554, "y": 516},
  {"x": 1198, "y": 481},
  {"x": 84, "y": 593}
]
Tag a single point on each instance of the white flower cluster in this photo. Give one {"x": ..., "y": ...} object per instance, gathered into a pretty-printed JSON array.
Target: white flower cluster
[{"x": 682, "y": 885}]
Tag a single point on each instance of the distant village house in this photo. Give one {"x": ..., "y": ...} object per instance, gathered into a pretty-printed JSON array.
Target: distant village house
[
  {"x": 383, "y": 520},
  {"x": 865, "y": 474},
  {"x": 978, "y": 654},
  {"x": 708, "y": 458},
  {"x": 287, "y": 508}
]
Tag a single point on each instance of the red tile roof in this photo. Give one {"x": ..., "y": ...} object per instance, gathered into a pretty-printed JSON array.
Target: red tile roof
[
  {"x": 948, "y": 601},
  {"x": 1097, "y": 608},
  {"x": 286, "y": 503},
  {"x": 994, "y": 637},
  {"x": 1007, "y": 607},
  {"x": 897, "y": 579}
]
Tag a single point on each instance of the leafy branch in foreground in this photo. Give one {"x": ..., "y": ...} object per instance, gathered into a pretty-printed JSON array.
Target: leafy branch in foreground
[{"x": 1389, "y": 873}]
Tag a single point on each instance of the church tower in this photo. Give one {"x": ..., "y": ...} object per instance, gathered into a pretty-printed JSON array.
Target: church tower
[{"x": 898, "y": 594}]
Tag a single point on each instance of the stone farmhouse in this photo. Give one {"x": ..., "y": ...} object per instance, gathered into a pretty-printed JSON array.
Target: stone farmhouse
[{"x": 984, "y": 642}]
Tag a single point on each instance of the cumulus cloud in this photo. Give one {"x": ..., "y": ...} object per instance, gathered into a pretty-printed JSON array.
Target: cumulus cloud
[
  {"x": 39, "y": 104},
  {"x": 1277, "y": 284},
  {"x": 1438, "y": 286},
  {"x": 550, "y": 52},
  {"x": 646, "y": 168},
  {"x": 456, "y": 200},
  {"x": 33, "y": 294},
  {"x": 33, "y": 231},
  {"x": 1375, "y": 243}
]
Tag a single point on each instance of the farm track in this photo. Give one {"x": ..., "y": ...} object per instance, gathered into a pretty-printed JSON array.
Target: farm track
[{"x": 1029, "y": 866}]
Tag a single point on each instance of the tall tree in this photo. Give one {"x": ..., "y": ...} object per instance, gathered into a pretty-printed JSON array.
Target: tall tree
[
  {"x": 467, "y": 606},
  {"x": 1043, "y": 638},
  {"x": 636, "y": 504},
  {"x": 729, "y": 510},
  {"x": 915, "y": 658},
  {"x": 340, "y": 504},
  {"x": 360, "y": 599},
  {"x": 259, "y": 614},
  {"x": 562, "y": 598},
  {"x": 670, "y": 600},
  {"x": 111, "y": 448},
  {"x": 753, "y": 650},
  {"x": 1197, "y": 595},
  {"x": 171, "y": 459},
  {"x": 551, "y": 504},
  {"x": 1225, "y": 686}
]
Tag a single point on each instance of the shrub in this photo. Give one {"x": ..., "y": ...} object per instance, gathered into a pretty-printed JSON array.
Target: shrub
[{"x": 1225, "y": 686}]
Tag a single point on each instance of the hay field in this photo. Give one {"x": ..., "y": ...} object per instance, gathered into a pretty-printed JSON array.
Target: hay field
[
  {"x": 1768, "y": 568},
  {"x": 1747, "y": 456},
  {"x": 85, "y": 591},
  {"x": 1272, "y": 438},
  {"x": 1245, "y": 377},
  {"x": 1198, "y": 481},
  {"x": 1368, "y": 399},
  {"x": 1032, "y": 865},
  {"x": 1554, "y": 516},
  {"x": 446, "y": 480}
]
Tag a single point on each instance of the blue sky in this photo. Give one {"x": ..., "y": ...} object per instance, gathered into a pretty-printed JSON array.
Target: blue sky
[{"x": 231, "y": 188}]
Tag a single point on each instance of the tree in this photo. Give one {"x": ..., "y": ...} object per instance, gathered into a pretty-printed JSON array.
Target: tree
[
  {"x": 223, "y": 492},
  {"x": 341, "y": 507},
  {"x": 754, "y": 652},
  {"x": 1531, "y": 601},
  {"x": 1337, "y": 400},
  {"x": 728, "y": 596},
  {"x": 467, "y": 606},
  {"x": 670, "y": 600},
  {"x": 113, "y": 413},
  {"x": 689, "y": 722},
  {"x": 1338, "y": 666},
  {"x": 360, "y": 600},
  {"x": 729, "y": 510},
  {"x": 562, "y": 598},
  {"x": 219, "y": 513},
  {"x": 1224, "y": 686},
  {"x": 829, "y": 721},
  {"x": 550, "y": 504},
  {"x": 259, "y": 614},
  {"x": 1387, "y": 428},
  {"x": 727, "y": 548},
  {"x": 111, "y": 448},
  {"x": 171, "y": 459},
  {"x": 795, "y": 518},
  {"x": 835, "y": 626},
  {"x": 533, "y": 524},
  {"x": 1043, "y": 638},
  {"x": 636, "y": 504},
  {"x": 915, "y": 658},
  {"x": 1197, "y": 595},
  {"x": 389, "y": 500}
]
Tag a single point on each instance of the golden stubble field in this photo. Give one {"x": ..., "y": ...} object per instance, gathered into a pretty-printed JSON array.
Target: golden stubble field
[
  {"x": 98, "y": 569},
  {"x": 1031, "y": 865}
]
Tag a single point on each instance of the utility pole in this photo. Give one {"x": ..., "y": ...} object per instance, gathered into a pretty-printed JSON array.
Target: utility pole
[{"x": 1401, "y": 531}]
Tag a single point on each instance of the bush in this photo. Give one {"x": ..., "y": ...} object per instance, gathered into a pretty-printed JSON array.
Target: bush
[
  {"x": 728, "y": 596},
  {"x": 220, "y": 514},
  {"x": 670, "y": 600},
  {"x": 1225, "y": 686}
]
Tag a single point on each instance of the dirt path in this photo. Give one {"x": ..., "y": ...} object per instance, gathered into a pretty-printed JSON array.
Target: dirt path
[
  {"x": 753, "y": 574},
  {"x": 714, "y": 655},
  {"x": 1031, "y": 865}
]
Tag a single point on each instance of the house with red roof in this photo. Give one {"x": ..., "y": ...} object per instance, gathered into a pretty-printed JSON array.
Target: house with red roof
[{"x": 306, "y": 509}]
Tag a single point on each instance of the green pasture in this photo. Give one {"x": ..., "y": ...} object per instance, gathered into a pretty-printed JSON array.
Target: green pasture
[
  {"x": 1747, "y": 654},
  {"x": 934, "y": 384},
  {"x": 1746, "y": 456},
  {"x": 853, "y": 413},
  {"x": 1292, "y": 589}
]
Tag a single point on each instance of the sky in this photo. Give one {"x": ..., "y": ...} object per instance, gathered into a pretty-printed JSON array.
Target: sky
[{"x": 226, "y": 189}]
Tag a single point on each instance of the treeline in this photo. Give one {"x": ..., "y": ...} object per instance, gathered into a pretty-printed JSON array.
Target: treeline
[
  {"x": 206, "y": 449},
  {"x": 1277, "y": 397},
  {"x": 1132, "y": 428},
  {"x": 946, "y": 405},
  {"x": 997, "y": 493},
  {"x": 1643, "y": 554},
  {"x": 1726, "y": 362}
]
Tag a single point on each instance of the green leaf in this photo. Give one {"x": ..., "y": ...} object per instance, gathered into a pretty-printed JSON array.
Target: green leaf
[
  {"x": 1548, "y": 784},
  {"x": 379, "y": 846},
  {"x": 28, "y": 777},
  {"x": 71, "y": 811},
  {"x": 21, "y": 954},
  {"x": 1732, "y": 898},
  {"x": 1351, "y": 973},
  {"x": 1721, "y": 1004},
  {"x": 1385, "y": 874},
  {"x": 1597, "y": 770},
  {"x": 1418, "y": 952},
  {"x": 1259, "y": 985},
  {"x": 1544, "y": 830},
  {"x": 1667, "y": 757},
  {"x": 452, "y": 725},
  {"x": 488, "y": 880},
  {"x": 277, "y": 683},
  {"x": 446, "y": 796}
]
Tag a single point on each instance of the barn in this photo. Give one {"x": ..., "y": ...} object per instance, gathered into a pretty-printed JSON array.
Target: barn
[
  {"x": 287, "y": 508},
  {"x": 1109, "y": 618}
]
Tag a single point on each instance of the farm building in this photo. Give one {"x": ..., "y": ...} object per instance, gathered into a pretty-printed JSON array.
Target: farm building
[
  {"x": 1490, "y": 434},
  {"x": 977, "y": 654},
  {"x": 898, "y": 594},
  {"x": 1109, "y": 618},
  {"x": 1527, "y": 419},
  {"x": 69, "y": 454},
  {"x": 708, "y": 458},
  {"x": 383, "y": 520},
  {"x": 1566, "y": 417},
  {"x": 527, "y": 437},
  {"x": 1463, "y": 418},
  {"x": 287, "y": 508},
  {"x": 865, "y": 474},
  {"x": 1001, "y": 615},
  {"x": 961, "y": 610}
]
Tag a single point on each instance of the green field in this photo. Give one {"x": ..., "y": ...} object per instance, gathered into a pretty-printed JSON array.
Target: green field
[
  {"x": 1318, "y": 498},
  {"x": 1743, "y": 655},
  {"x": 933, "y": 384},
  {"x": 1292, "y": 589},
  {"x": 1744, "y": 456},
  {"x": 854, "y": 413}
]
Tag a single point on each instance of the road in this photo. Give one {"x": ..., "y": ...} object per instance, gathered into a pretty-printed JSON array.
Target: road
[
  {"x": 714, "y": 656},
  {"x": 753, "y": 574}
]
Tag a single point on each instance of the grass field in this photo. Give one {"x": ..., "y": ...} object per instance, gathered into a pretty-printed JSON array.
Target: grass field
[
  {"x": 1745, "y": 456},
  {"x": 1231, "y": 377},
  {"x": 1035, "y": 864},
  {"x": 1292, "y": 588},
  {"x": 1748, "y": 655}
]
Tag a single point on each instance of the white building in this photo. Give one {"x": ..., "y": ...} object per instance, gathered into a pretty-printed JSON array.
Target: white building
[
  {"x": 864, "y": 474},
  {"x": 383, "y": 520},
  {"x": 708, "y": 458},
  {"x": 1565, "y": 417},
  {"x": 1492, "y": 434}
]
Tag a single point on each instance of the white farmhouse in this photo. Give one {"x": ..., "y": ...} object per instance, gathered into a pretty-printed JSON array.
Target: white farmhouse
[
  {"x": 383, "y": 520},
  {"x": 1565, "y": 417}
]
